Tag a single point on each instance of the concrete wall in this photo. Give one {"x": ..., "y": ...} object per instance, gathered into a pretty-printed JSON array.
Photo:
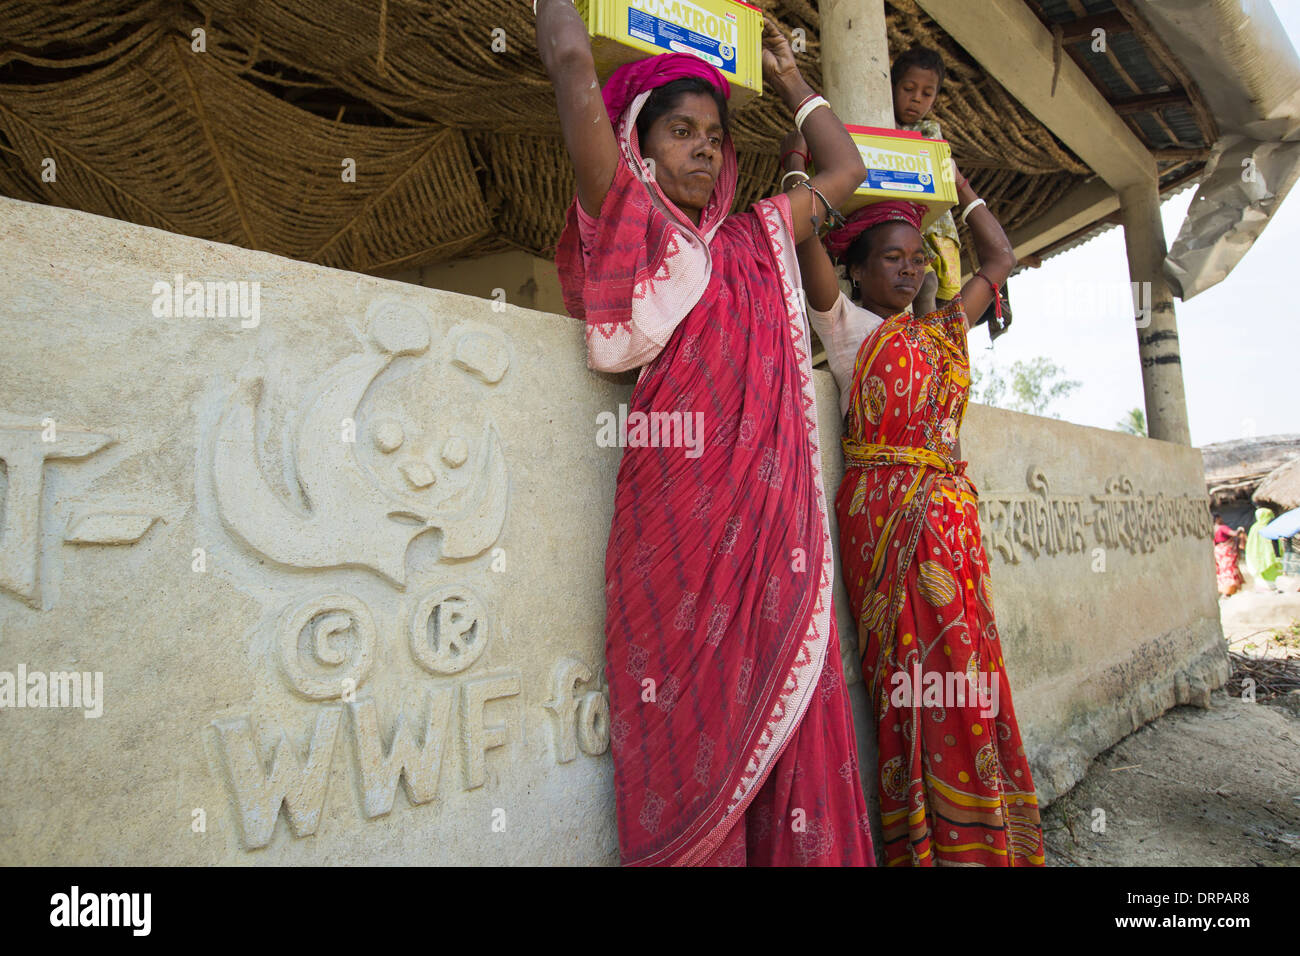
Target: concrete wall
[
  {"x": 371, "y": 528},
  {"x": 367, "y": 532},
  {"x": 1100, "y": 553},
  {"x": 1102, "y": 563}
]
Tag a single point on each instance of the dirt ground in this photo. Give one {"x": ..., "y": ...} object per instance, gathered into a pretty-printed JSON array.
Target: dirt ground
[{"x": 1217, "y": 787}]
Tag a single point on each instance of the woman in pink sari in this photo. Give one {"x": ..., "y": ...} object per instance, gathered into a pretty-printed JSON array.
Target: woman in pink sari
[
  {"x": 729, "y": 721},
  {"x": 1227, "y": 573}
]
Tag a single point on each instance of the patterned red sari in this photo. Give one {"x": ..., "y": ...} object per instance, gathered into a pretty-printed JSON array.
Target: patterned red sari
[
  {"x": 729, "y": 720},
  {"x": 955, "y": 786},
  {"x": 1227, "y": 573}
]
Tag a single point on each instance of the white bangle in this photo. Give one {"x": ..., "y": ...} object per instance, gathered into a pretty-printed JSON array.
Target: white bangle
[
  {"x": 970, "y": 209},
  {"x": 807, "y": 108},
  {"x": 793, "y": 172}
]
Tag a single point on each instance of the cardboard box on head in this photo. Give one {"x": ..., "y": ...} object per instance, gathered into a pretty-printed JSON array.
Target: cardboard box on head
[
  {"x": 726, "y": 33},
  {"x": 904, "y": 165}
]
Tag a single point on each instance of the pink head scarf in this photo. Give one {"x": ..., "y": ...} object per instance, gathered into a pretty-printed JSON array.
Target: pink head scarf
[
  {"x": 868, "y": 217},
  {"x": 632, "y": 78}
]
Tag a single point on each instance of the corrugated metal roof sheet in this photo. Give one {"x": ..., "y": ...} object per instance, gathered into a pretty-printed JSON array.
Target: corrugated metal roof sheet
[{"x": 1169, "y": 127}]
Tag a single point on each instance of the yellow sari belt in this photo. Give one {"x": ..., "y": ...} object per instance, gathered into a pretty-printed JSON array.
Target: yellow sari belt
[{"x": 867, "y": 455}]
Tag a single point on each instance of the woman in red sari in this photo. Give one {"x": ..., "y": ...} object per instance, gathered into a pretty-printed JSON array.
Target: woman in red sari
[
  {"x": 955, "y": 786},
  {"x": 729, "y": 721},
  {"x": 1226, "y": 572}
]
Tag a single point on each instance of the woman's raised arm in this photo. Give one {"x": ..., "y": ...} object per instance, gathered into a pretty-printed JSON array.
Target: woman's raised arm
[
  {"x": 840, "y": 169},
  {"x": 565, "y": 48},
  {"x": 992, "y": 246},
  {"x": 820, "y": 283}
]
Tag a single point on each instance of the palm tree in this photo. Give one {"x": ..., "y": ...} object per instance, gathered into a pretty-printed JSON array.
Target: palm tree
[{"x": 1134, "y": 423}]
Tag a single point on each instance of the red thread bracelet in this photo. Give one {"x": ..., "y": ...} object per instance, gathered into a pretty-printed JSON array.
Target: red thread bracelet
[
  {"x": 997, "y": 295},
  {"x": 804, "y": 102},
  {"x": 807, "y": 160}
]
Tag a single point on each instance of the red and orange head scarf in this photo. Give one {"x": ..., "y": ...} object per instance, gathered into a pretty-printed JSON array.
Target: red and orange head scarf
[{"x": 840, "y": 240}]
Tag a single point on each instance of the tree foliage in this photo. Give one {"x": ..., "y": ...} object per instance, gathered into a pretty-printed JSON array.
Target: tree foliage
[{"x": 1031, "y": 387}]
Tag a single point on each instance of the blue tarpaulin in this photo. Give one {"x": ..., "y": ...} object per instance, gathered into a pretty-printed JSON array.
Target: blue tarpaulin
[{"x": 1284, "y": 525}]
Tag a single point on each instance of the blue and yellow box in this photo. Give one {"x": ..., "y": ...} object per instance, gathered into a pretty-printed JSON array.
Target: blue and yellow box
[
  {"x": 725, "y": 33},
  {"x": 904, "y": 165}
]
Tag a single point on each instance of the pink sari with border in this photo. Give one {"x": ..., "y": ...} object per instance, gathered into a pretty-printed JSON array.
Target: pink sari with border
[{"x": 729, "y": 719}]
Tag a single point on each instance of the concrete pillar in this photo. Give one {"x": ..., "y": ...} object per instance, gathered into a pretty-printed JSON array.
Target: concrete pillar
[
  {"x": 1162, "y": 369},
  {"x": 855, "y": 61},
  {"x": 855, "y": 78}
]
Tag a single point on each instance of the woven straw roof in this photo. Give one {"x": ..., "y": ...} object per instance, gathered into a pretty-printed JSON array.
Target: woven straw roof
[
  {"x": 1242, "y": 458},
  {"x": 1281, "y": 488},
  {"x": 1234, "y": 470},
  {"x": 456, "y": 146}
]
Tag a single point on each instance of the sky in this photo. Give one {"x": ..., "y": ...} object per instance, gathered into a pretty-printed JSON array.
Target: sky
[{"x": 1235, "y": 338}]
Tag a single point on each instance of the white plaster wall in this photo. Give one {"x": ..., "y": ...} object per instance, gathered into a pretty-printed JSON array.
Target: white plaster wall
[
  {"x": 1101, "y": 633},
  {"x": 195, "y": 433},
  {"x": 1102, "y": 636}
]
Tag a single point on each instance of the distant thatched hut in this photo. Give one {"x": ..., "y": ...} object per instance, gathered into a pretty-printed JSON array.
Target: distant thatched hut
[
  {"x": 1247, "y": 473},
  {"x": 1281, "y": 489}
]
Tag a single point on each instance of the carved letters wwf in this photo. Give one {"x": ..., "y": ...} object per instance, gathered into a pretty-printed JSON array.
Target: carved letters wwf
[{"x": 375, "y": 472}]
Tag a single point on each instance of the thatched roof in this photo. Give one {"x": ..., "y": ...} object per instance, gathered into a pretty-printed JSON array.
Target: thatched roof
[
  {"x": 1235, "y": 469},
  {"x": 456, "y": 146},
  {"x": 1281, "y": 489},
  {"x": 1243, "y": 457}
]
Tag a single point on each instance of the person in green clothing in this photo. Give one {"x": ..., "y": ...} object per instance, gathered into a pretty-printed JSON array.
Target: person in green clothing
[{"x": 1261, "y": 558}]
